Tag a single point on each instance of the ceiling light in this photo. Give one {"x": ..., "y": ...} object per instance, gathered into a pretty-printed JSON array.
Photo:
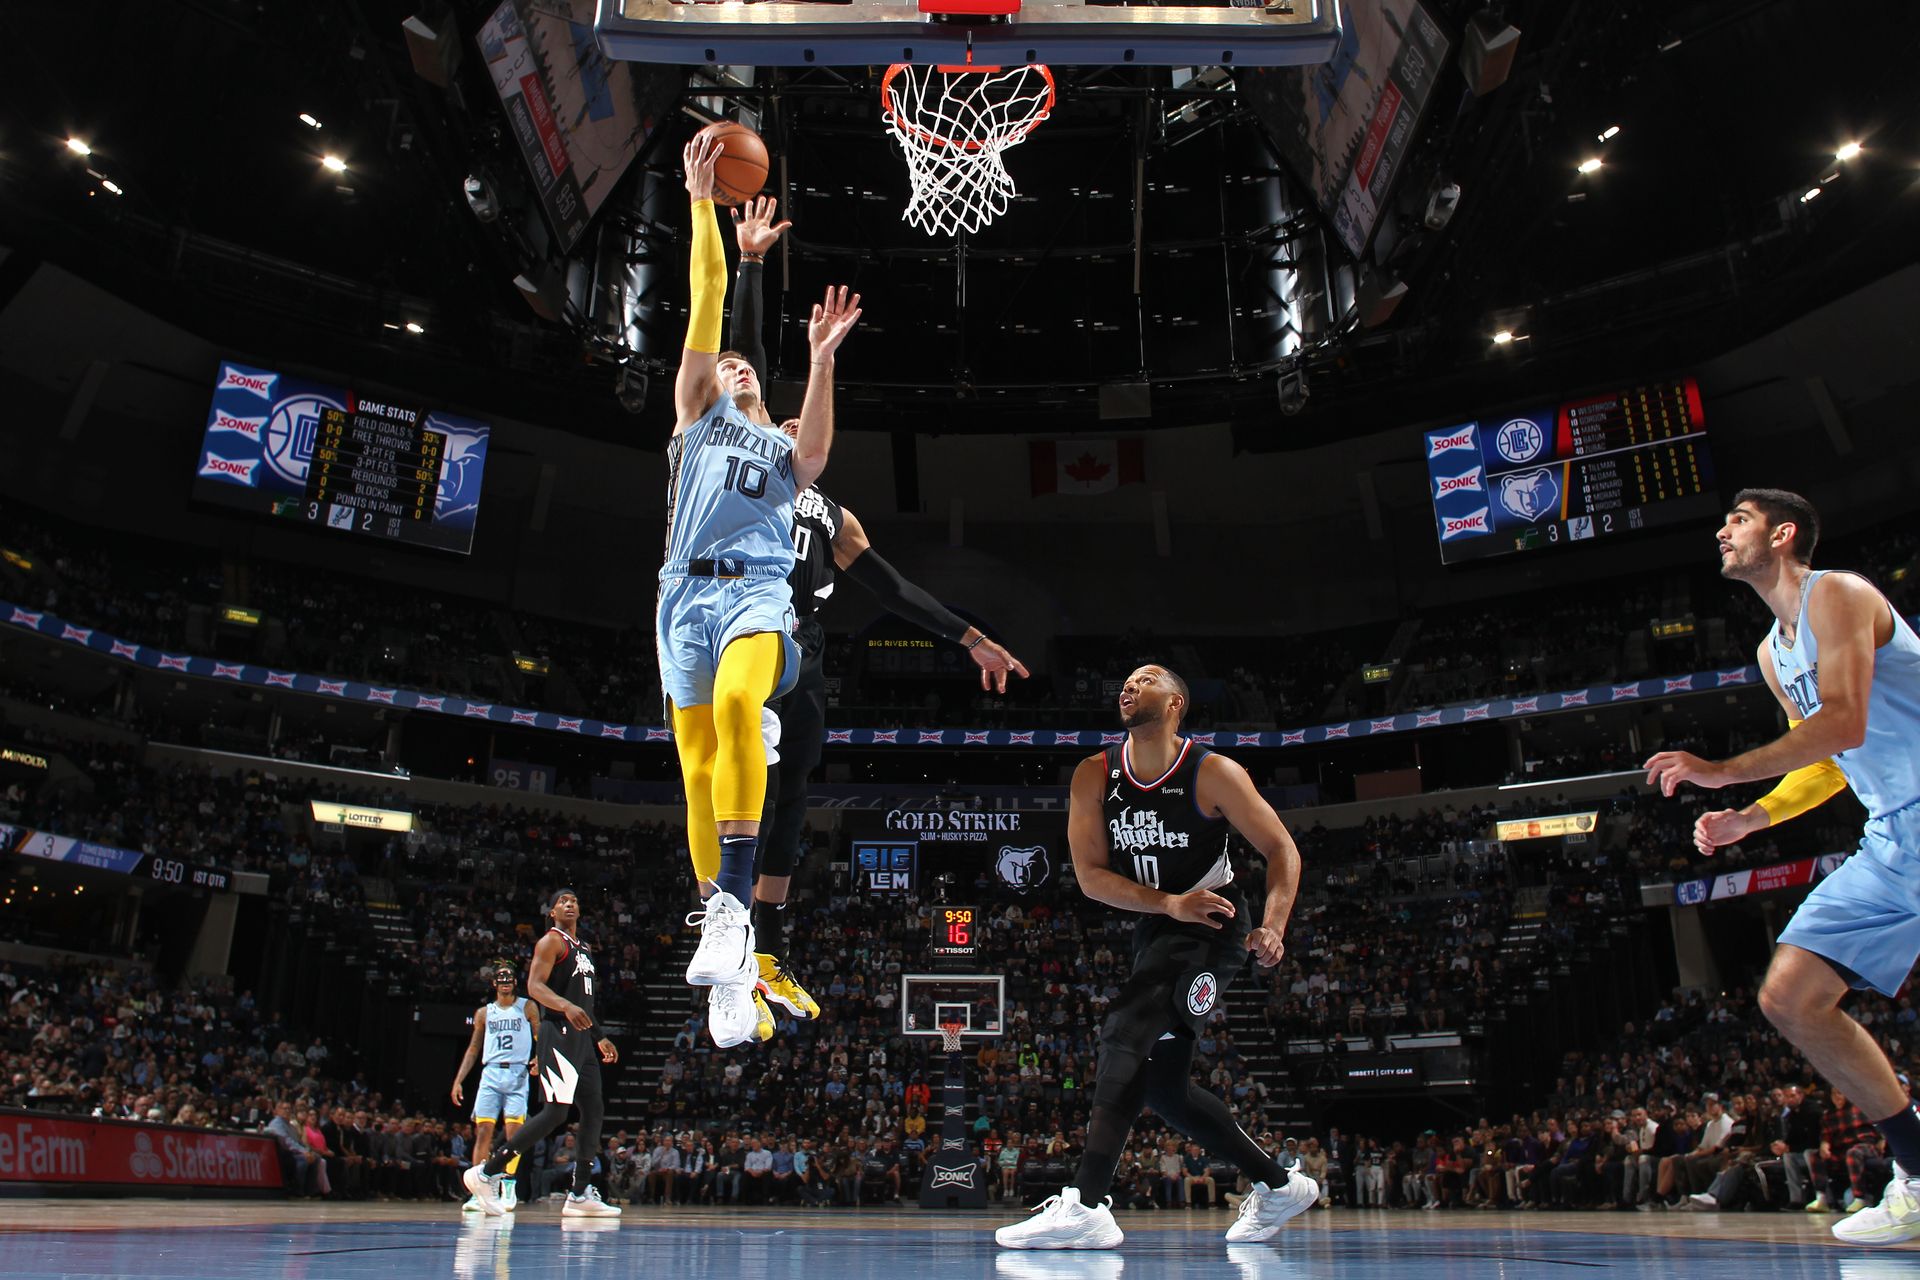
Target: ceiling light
[
  {"x": 1847, "y": 152},
  {"x": 78, "y": 147},
  {"x": 113, "y": 188},
  {"x": 388, "y": 324},
  {"x": 1810, "y": 195},
  {"x": 309, "y": 121},
  {"x": 334, "y": 164},
  {"x": 1503, "y": 337},
  {"x": 413, "y": 326},
  {"x": 1611, "y": 132},
  {"x": 1590, "y": 165}
]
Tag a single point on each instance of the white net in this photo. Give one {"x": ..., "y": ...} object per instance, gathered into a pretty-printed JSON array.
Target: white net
[
  {"x": 954, "y": 123},
  {"x": 950, "y": 1033}
]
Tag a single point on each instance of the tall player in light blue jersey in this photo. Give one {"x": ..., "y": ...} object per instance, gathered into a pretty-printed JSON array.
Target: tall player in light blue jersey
[
  {"x": 503, "y": 1039},
  {"x": 1846, "y": 668},
  {"x": 726, "y": 612}
]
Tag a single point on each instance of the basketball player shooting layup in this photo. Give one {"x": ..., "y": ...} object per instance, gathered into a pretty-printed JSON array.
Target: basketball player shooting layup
[
  {"x": 1846, "y": 669},
  {"x": 1148, "y": 822},
  {"x": 568, "y": 1066},
  {"x": 725, "y": 613},
  {"x": 503, "y": 1035}
]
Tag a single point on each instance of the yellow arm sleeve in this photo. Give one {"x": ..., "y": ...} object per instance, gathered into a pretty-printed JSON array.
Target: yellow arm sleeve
[
  {"x": 708, "y": 277},
  {"x": 1803, "y": 789}
]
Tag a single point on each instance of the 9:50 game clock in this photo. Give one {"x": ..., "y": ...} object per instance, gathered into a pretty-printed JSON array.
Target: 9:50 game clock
[{"x": 955, "y": 933}]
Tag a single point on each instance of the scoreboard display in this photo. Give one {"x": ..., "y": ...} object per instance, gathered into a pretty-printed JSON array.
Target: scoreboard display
[
  {"x": 338, "y": 460},
  {"x": 1584, "y": 470},
  {"x": 955, "y": 933}
]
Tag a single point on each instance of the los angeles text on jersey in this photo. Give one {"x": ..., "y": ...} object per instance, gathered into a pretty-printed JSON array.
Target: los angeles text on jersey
[
  {"x": 962, "y": 825},
  {"x": 1134, "y": 829},
  {"x": 724, "y": 433}
]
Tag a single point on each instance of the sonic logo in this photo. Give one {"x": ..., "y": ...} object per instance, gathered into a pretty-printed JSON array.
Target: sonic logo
[
  {"x": 1022, "y": 870},
  {"x": 251, "y": 428},
  {"x": 961, "y": 1177},
  {"x": 1466, "y": 482},
  {"x": 1445, "y": 442},
  {"x": 251, "y": 381},
  {"x": 1530, "y": 494},
  {"x": 1470, "y": 525},
  {"x": 230, "y": 470}
]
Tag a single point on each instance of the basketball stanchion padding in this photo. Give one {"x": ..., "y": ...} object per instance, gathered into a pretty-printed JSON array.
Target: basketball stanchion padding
[
  {"x": 954, "y": 123},
  {"x": 952, "y": 1177}
]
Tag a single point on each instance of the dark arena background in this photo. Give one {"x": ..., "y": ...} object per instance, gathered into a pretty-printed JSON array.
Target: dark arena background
[{"x": 1385, "y": 370}]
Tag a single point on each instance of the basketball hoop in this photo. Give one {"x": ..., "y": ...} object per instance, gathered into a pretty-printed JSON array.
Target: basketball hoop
[
  {"x": 953, "y": 123},
  {"x": 950, "y": 1035}
]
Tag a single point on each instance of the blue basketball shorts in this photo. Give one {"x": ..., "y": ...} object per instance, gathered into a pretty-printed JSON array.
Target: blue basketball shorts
[
  {"x": 502, "y": 1094},
  {"x": 1866, "y": 916},
  {"x": 699, "y": 617}
]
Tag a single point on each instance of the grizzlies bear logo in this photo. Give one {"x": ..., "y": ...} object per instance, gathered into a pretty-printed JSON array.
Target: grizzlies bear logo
[
  {"x": 1530, "y": 494},
  {"x": 1022, "y": 870}
]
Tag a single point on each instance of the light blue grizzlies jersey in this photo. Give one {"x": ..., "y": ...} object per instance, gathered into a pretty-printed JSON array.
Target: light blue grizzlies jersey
[
  {"x": 1884, "y": 771},
  {"x": 509, "y": 1034},
  {"x": 730, "y": 491}
]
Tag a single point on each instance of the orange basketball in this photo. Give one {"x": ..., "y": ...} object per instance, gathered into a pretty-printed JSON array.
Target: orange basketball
[{"x": 741, "y": 170}]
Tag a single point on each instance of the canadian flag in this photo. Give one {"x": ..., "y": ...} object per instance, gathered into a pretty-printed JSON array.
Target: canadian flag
[{"x": 1086, "y": 466}]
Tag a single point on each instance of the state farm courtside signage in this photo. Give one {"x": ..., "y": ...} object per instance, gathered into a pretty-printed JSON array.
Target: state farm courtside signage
[{"x": 35, "y": 1147}]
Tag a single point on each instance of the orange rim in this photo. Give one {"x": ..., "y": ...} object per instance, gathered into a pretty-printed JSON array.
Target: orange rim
[{"x": 960, "y": 144}]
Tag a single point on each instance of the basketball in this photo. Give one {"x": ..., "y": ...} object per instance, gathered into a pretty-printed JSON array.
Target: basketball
[{"x": 741, "y": 171}]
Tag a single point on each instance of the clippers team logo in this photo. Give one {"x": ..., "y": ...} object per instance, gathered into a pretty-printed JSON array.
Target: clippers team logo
[
  {"x": 1466, "y": 482},
  {"x": 1520, "y": 440},
  {"x": 291, "y": 430},
  {"x": 1022, "y": 870},
  {"x": 1471, "y": 525},
  {"x": 1530, "y": 494},
  {"x": 1203, "y": 995},
  {"x": 1467, "y": 437}
]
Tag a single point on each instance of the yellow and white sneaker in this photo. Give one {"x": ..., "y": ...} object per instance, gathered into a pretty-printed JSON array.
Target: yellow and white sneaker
[
  {"x": 737, "y": 1013},
  {"x": 1895, "y": 1220},
  {"x": 778, "y": 983}
]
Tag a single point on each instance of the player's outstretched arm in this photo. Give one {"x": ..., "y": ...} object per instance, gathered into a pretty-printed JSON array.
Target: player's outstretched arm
[
  {"x": 832, "y": 320},
  {"x": 1225, "y": 788},
  {"x": 545, "y": 954},
  {"x": 475, "y": 1047},
  {"x": 1801, "y": 790},
  {"x": 855, "y": 557},
  {"x": 693, "y": 388},
  {"x": 755, "y": 232},
  {"x": 1844, "y": 613},
  {"x": 1087, "y": 837}
]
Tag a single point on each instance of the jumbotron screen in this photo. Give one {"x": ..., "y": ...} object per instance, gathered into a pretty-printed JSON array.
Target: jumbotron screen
[
  {"x": 1583, "y": 470},
  {"x": 335, "y": 459}
]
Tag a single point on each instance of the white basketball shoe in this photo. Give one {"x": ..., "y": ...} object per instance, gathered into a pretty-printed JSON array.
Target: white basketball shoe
[
  {"x": 1267, "y": 1209},
  {"x": 1062, "y": 1222},
  {"x": 725, "y": 952}
]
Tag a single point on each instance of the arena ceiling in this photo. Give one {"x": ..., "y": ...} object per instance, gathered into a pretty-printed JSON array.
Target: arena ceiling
[{"x": 1692, "y": 237}]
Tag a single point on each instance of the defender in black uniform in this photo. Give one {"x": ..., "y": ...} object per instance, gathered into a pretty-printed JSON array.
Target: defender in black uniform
[
  {"x": 567, "y": 1065},
  {"x": 1148, "y": 822},
  {"x": 826, "y": 537}
]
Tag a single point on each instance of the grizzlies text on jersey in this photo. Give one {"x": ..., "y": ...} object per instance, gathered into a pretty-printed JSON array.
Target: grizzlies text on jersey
[
  {"x": 730, "y": 492},
  {"x": 509, "y": 1034}
]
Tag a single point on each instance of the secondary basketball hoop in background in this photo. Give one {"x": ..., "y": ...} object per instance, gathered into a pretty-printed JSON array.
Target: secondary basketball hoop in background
[{"x": 954, "y": 123}]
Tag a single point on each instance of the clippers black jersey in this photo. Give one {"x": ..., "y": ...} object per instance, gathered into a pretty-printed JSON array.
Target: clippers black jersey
[
  {"x": 1156, "y": 834},
  {"x": 816, "y": 523},
  {"x": 572, "y": 977}
]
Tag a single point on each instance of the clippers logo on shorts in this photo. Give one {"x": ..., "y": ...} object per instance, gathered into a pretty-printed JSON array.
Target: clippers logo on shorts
[
  {"x": 1439, "y": 442},
  {"x": 1519, "y": 440},
  {"x": 1530, "y": 494},
  {"x": 230, "y": 470},
  {"x": 1132, "y": 830},
  {"x": 1022, "y": 870},
  {"x": 251, "y": 428},
  {"x": 1465, "y": 482},
  {"x": 1471, "y": 525},
  {"x": 292, "y": 428},
  {"x": 1202, "y": 995}
]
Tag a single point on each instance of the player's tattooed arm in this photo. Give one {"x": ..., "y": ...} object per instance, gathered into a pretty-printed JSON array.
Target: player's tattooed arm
[{"x": 1225, "y": 789}]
